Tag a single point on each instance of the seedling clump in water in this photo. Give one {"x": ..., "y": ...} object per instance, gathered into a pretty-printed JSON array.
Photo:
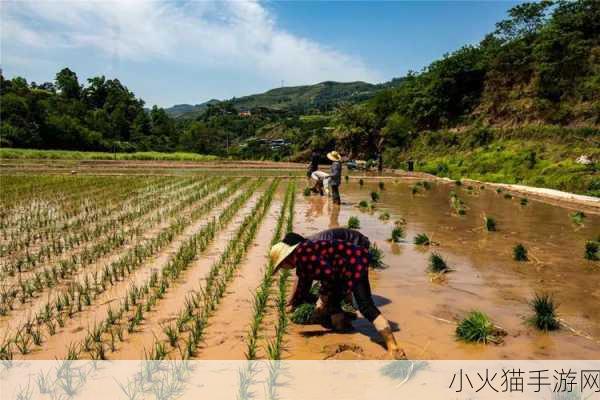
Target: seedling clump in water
[
  {"x": 577, "y": 217},
  {"x": 520, "y": 253},
  {"x": 306, "y": 191},
  {"x": 592, "y": 248},
  {"x": 437, "y": 264},
  {"x": 381, "y": 185},
  {"x": 384, "y": 216},
  {"x": 363, "y": 204},
  {"x": 376, "y": 257},
  {"x": 353, "y": 223},
  {"x": 545, "y": 313},
  {"x": 422, "y": 239},
  {"x": 303, "y": 314},
  {"x": 397, "y": 234},
  {"x": 477, "y": 328},
  {"x": 375, "y": 196}
]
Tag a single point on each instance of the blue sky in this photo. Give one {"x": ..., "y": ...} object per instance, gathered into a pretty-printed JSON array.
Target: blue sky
[{"x": 191, "y": 51}]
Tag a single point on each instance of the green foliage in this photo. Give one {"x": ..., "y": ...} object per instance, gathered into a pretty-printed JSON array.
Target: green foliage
[
  {"x": 520, "y": 253},
  {"x": 384, "y": 216},
  {"x": 437, "y": 264},
  {"x": 422, "y": 239},
  {"x": 376, "y": 257},
  {"x": 363, "y": 204},
  {"x": 361, "y": 182},
  {"x": 577, "y": 217},
  {"x": 306, "y": 191},
  {"x": 381, "y": 185},
  {"x": 303, "y": 314},
  {"x": 478, "y": 328},
  {"x": 397, "y": 234},
  {"x": 375, "y": 196},
  {"x": 545, "y": 312},
  {"x": 353, "y": 223}
]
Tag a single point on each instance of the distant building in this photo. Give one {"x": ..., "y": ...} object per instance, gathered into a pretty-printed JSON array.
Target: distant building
[{"x": 245, "y": 113}]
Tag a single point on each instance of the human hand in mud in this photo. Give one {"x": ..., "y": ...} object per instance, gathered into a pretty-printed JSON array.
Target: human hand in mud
[{"x": 397, "y": 354}]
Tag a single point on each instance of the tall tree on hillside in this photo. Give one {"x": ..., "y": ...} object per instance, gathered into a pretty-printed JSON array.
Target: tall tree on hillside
[{"x": 68, "y": 84}]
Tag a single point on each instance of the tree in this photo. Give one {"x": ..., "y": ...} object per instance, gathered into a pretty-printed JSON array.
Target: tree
[{"x": 68, "y": 84}]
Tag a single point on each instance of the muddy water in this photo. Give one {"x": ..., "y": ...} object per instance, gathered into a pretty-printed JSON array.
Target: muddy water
[{"x": 485, "y": 277}]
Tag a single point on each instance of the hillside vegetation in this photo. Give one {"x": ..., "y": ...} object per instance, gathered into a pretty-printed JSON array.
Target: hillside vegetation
[{"x": 521, "y": 106}]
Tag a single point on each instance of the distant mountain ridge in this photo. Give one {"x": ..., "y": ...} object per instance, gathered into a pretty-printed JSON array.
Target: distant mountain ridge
[{"x": 303, "y": 98}]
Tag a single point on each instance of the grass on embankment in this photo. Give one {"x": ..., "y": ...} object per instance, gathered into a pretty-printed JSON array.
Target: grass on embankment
[
  {"x": 7, "y": 153},
  {"x": 535, "y": 156}
]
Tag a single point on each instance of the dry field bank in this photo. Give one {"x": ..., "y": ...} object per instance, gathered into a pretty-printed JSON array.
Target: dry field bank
[{"x": 168, "y": 261}]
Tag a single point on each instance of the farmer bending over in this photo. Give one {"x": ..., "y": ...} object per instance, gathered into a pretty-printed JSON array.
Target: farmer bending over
[{"x": 340, "y": 267}]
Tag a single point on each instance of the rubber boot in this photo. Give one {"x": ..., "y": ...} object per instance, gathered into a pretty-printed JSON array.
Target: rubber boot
[{"x": 385, "y": 330}]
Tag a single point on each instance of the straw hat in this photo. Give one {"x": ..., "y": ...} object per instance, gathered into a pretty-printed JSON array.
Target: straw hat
[
  {"x": 334, "y": 156},
  {"x": 279, "y": 252}
]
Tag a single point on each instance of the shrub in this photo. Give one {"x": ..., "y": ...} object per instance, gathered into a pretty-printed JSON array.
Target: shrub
[
  {"x": 303, "y": 314},
  {"x": 437, "y": 264},
  {"x": 422, "y": 239},
  {"x": 397, "y": 234},
  {"x": 545, "y": 313},
  {"x": 478, "y": 328},
  {"x": 353, "y": 223},
  {"x": 520, "y": 253},
  {"x": 375, "y": 196},
  {"x": 591, "y": 250},
  {"x": 490, "y": 223}
]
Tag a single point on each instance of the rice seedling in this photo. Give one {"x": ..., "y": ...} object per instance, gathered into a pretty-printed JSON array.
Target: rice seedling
[
  {"x": 577, "y": 217},
  {"x": 23, "y": 341},
  {"x": 397, "y": 234},
  {"x": 545, "y": 318},
  {"x": 24, "y": 392},
  {"x": 376, "y": 257},
  {"x": 507, "y": 196},
  {"x": 414, "y": 189},
  {"x": 375, "y": 196},
  {"x": 477, "y": 328},
  {"x": 458, "y": 183},
  {"x": 36, "y": 336},
  {"x": 172, "y": 334},
  {"x": 422, "y": 239},
  {"x": 361, "y": 182},
  {"x": 306, "y": 191},
  {"x": 346, "y": 178},
  {"x": 524, "y": 201},
  {"x": 437, "y": 264},
  {"x": 303, "y": 314},
  {"x": 353, "y": 223},
  {"x": 592, "y": 250},
  {"x": 381, "y": 185},
  {"x": 44, "y": 383},
  {"x": 520, "y": 253},
  {"x": 498, "y": 190},
  {"x": 489, "y": 223},
  {"x": 363, "y": 204},
  {"x": 384, "y": 216}
]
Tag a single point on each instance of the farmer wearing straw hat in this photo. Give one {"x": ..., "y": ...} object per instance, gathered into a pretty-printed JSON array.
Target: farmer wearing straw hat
[
  {"x": 336, "y": 175},
  {"x": 340, "y": 267}
]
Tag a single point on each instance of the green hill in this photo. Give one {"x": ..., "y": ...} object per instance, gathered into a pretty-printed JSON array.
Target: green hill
[{"x": 322, "y": 96}]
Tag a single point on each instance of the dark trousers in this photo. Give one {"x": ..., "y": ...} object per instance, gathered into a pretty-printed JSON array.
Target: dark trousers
[
  {"x": 335, "y": 194},
  {"x": 362, "y": 294}
]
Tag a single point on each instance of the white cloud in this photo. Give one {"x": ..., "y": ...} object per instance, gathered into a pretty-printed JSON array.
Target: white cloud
[{"x": 240, "y": 35}]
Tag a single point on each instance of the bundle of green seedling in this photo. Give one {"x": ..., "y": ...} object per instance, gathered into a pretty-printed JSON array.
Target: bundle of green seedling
[
  {"x": 361, "y": 182},
  {"x": 353, "y": 223},
  {"x": 478, "y": 328},
  {"x": 520, "y": 253},
  {"x": 381, "y": 185},
  {"x": 577, "y": 217},
  {"x": 303, "y": 314},
  {"x": 384, "y": 216},
  {"x": 306, "y": 191},
  {"x": 83, "y": 294},
  {"x": 592, "y": 250},
  {"x": 261, "y": 296},
  {"x": 544, "y": 317},
  {"x": 423, "y": 184},
  {"x": 376, "y": 257},
  {"x": 437, "y": 264},
  {"x": 422, "y": 239},
  {"x": 375, "y": 196},
  {"x": 397, "y": 234}
]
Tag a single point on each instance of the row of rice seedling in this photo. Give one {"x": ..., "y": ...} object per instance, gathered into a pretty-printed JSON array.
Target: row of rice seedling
[
  {"x": 154, "y": 289},
  {"x": 261, "y": 296},
  {"x": 69, "y": 240},
  {"x": 274, "y": 348},
  {"x": 67, "y": 267},
  {"x": 457, "y": 205},
  {"x": 89, "y": 212},
  {"x": 72, "y": 300}
]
